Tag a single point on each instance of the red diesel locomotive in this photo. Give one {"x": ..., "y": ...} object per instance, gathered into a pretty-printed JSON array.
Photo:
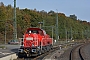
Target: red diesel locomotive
[{"x": 35, "y": 42}]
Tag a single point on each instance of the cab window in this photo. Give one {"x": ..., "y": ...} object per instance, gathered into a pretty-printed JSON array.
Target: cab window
[{"x": 41, "y": 33}]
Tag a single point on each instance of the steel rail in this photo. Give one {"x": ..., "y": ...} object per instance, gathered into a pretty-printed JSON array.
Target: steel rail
[{"x": 75, "y": 53}]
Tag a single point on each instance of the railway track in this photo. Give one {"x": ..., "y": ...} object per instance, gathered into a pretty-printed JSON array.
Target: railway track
[{"x": 76, "y": 54}]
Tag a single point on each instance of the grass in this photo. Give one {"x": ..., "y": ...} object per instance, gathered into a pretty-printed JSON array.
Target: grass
[{"x": 2, "y": 47}]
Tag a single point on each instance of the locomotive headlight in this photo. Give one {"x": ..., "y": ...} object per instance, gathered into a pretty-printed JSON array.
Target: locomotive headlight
[{"x": 29, "y": 38}]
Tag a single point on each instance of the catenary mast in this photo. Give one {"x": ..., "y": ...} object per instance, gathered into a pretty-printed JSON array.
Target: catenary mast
[{"x": 15, "y": 22}]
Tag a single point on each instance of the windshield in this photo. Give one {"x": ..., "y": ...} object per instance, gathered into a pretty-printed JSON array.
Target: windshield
[{"x": 33, "y": 31}]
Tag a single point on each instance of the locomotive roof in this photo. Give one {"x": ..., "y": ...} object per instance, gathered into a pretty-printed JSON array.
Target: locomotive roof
[
  {"x": 37, "y": 29},
  {"x": 34, "y": 29}
]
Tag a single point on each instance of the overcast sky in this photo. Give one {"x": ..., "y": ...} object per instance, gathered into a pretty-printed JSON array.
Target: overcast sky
[{"x": 81, "y": 8}]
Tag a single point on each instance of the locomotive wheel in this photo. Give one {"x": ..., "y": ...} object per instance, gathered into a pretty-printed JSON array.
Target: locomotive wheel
[
  {"x": 47, "y": 48},
  {"x": 21, "y": 55},
  {"x": 43, "y": 51},
  {"x": 39, "y": 52}
]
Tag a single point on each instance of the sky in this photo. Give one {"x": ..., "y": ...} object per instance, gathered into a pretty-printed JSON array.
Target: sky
[{"x": 81, "y": 8}]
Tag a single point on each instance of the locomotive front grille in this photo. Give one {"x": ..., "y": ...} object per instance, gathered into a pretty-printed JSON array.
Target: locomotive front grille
[{"x": 28, "y": 44}]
